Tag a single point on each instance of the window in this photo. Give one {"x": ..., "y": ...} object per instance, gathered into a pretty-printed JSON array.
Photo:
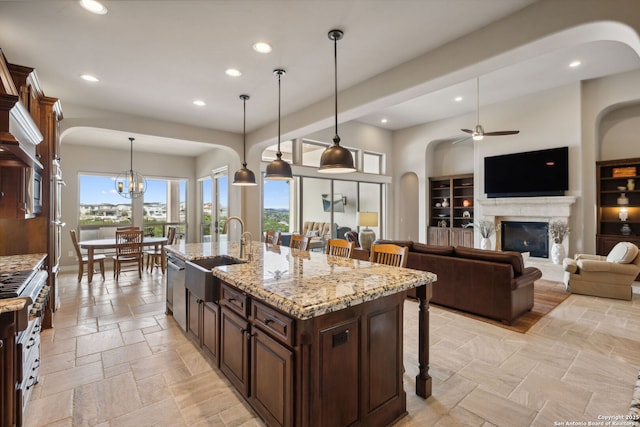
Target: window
[
  {"x": 372, "y": 162},
  {"x": 312, "y": 151},
  {"x": 205, "y": 186},
  {"x": 276, "y": 205},
  {"x": 286, "y": 148},
  {"x": 164, "y": 205},
  {"x": 102, "y": 209}
]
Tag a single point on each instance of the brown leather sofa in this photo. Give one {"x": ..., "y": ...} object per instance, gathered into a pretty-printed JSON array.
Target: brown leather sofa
[{"x": 493, "y": 284}]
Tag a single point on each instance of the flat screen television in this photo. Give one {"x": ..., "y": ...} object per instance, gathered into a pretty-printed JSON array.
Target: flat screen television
[{"x": 528, "y": 174}]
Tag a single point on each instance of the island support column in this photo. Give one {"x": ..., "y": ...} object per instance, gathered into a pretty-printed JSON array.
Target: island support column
[{"x": 423, "y": 379}]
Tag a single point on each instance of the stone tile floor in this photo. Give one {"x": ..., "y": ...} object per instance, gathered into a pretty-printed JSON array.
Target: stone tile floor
[{"x": 115, "y": 359}]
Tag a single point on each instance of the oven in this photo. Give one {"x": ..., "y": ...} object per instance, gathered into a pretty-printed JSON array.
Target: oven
[{"x": 31, "y": 284}]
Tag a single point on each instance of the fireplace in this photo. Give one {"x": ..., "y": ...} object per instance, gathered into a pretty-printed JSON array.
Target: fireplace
[
  {"x": 526, "y": 210},
  {"x": 526, "y": 236}
]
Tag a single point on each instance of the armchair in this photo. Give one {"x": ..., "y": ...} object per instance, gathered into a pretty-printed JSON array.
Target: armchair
[{"x": 609, "y": 277}]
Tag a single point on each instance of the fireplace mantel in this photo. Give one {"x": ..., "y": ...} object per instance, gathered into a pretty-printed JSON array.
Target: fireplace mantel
[{"x": 540, "y": 207}]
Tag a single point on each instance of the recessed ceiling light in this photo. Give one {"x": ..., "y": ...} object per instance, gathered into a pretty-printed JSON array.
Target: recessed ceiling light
[
  {"x": 262, "y": 47},
  {"x": 575, "y": 64},
  {"x": 199, "y": 103},
  {"x": 383, "y": 121},
  {"x": 89, "y": 78},
  {"x": 233, "y": 72},
  {"x": 93, "y": 6},
  {"x": 457, "y": 98}
]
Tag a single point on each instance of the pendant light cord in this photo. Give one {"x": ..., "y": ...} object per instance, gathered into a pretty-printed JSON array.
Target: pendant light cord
[
  {"x": 244, "y": 131},
  {"x": 279, "y": 153},
  {"x": 336, "y": 138},
  {"x": 131, "y": 160}
]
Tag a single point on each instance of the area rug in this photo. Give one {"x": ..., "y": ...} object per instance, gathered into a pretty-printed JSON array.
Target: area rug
[
  {"x": 634, "y": 411},
  {"x": 547, "y": 295}
]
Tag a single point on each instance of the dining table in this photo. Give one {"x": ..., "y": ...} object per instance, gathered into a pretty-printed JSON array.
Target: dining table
[{"x": 110, "y": 243}]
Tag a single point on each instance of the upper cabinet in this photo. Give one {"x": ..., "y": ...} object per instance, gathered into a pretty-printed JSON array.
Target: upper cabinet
[
  {"x": 451, "y": 210},
  {"x": 28, "y": 141},
  {"x": 618, "y": 203}
]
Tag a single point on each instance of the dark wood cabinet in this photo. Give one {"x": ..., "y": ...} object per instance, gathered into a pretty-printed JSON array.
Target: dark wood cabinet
[
  {"x": 451, "y": 210},
  {"x": 271, "y": 379},
  {"x": 618, "y": 203},
  {"x": 194, "y": 310},
  {"x": 209, "y": 332},
  {"x": 339, "y": 369},
  {"x": 234, "y": 348}
]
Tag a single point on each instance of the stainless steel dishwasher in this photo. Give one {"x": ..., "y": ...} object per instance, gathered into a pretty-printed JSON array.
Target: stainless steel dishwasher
[{"x": 176, "y": 290}]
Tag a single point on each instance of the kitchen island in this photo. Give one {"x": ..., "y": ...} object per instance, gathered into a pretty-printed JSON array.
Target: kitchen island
[{"x": 309, "y": 339}]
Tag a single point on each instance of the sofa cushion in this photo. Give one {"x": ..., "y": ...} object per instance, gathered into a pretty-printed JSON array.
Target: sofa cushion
[
  {"x": 504, "y": 257},
  {"x": 623, "y": 253},
  {"x": 432, "y": 249}
]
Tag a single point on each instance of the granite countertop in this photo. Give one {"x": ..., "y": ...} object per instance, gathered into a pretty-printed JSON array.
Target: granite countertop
[
  {"x": 12, "y": 263},
  {"x": 305, "y": 284}
]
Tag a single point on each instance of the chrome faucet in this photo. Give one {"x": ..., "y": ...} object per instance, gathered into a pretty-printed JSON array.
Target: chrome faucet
[{"x": 242, "y": 233}]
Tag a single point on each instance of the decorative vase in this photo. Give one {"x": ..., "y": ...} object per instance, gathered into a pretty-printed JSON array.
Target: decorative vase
[
  {"x": 445, "y": 203},
  {"x": 623, "y": 199},
  {"x": 485, "y": 243},
  {"x": 626, "y": 229},
  {"x": 557, "y": 253},
  {"x": 631, "y": 184}
]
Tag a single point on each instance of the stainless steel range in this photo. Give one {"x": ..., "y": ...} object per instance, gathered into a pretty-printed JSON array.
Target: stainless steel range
[{"x": 32, "y": 285}]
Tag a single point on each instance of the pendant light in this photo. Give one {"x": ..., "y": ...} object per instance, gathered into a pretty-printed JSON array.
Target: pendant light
[
  {"x": 130, "y": 184},
  {"x": 336, "y": 159},
  {"x": 244, "y": 176},
  {"x": 279, "y": 169}
]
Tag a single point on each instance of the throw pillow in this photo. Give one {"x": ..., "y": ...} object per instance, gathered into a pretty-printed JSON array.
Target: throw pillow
[
  {"x": 623, "y": 253},
  {"x": 313, "y": 233}
]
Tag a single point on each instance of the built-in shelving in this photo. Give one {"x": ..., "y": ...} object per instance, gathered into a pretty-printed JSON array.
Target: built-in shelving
[
  {"x": 451, "y": 210},
  {"x": 617, "y": 181}
]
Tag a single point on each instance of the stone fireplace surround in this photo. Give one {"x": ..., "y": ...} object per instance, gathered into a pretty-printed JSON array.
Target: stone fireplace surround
[{"x": 537, "y": 209}]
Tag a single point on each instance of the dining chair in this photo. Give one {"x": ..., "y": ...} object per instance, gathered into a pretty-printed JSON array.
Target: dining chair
[
  {"x": 339, "y": 247},
  {"x": 155, "y": 256},
  {"x": 128, "y": 251},
  {"x": 272, "y": 237},
  {"x": 299, "y": 241},
  {"x": 389, "y": 254},
  {"x": 83, "y": 259},
  {"x": 127, "y": 227}
]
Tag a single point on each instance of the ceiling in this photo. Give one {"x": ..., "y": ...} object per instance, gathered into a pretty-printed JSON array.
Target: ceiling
[{"x": 154, "y": 58}]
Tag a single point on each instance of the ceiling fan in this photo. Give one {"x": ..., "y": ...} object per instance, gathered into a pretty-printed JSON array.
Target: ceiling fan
[{"x": 478, "y": 133}]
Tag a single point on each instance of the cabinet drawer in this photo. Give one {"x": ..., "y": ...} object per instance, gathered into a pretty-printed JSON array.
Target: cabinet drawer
[
  {"x": 274, "y": 322},
  {"x": 235, "y": 300}
]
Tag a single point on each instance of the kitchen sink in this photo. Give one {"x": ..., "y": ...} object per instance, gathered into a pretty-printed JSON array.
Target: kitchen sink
[
  {"x": 216, "y": 261},
  {"x": 199, "y": 279}
]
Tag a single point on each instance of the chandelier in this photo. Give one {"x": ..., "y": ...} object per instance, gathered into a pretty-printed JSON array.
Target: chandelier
[{"x": 130, "y": 184}]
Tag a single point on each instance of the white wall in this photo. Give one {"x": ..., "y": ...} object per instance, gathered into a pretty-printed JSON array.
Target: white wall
[{"x": 546, "y": 119}]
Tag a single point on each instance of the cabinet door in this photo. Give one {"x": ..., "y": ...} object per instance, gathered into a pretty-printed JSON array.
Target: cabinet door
[
  {"x": 234, "y": 349},
  {"x": 339, "y": 374},
  {"x": 439, "y": 236},
  {"x": 271, "y": 379},
  {"x": 210, "y": 313},
  {"x": 193, "y": 315},
  {"x": 462, "y": 237}
]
